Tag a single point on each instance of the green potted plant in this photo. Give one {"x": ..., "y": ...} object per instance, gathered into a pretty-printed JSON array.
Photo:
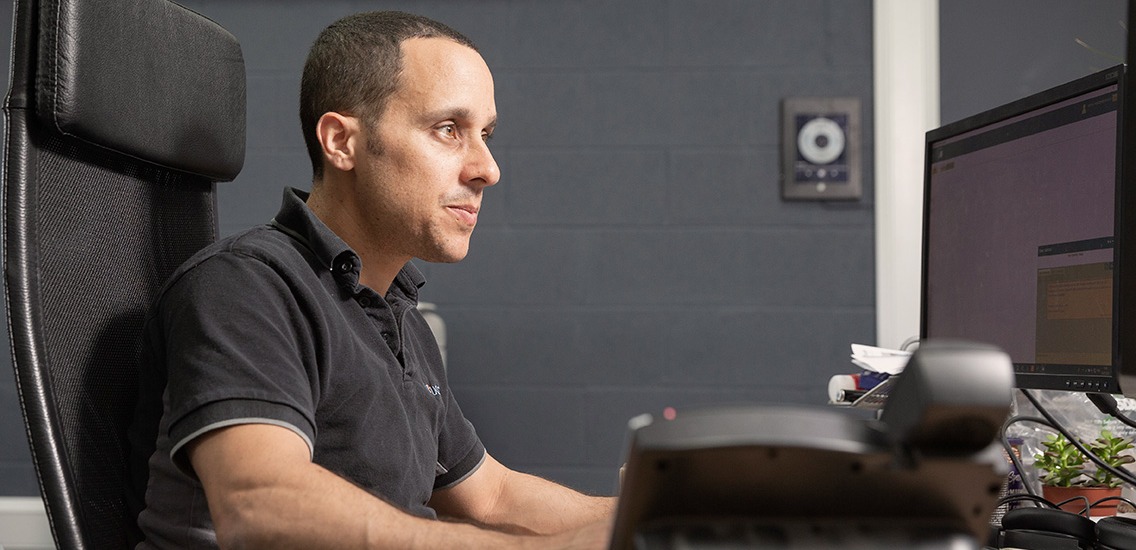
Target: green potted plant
[
  {"x": 1110, "y": 449},
  {"x": 1064, "y": 476}
]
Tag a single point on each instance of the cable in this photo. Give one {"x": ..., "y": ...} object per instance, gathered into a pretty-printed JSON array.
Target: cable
[
  {"x": 1010, "y": 449},
  {"x": 1121, "y": 473},
  {"x": 910, "y": 341},
  {"x": 1121, "y": 499},
  {"x": 1084, "y": 511},
  {"x": 1107, "y": 404},
  {"x": 1032, "y": 498}
]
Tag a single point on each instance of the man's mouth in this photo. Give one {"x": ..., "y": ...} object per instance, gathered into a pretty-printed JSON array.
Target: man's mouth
[{"x": 465, "y": 213}]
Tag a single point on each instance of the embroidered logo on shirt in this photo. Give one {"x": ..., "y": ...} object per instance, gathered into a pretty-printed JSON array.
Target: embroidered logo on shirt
[{"x": 436, "y": 391}]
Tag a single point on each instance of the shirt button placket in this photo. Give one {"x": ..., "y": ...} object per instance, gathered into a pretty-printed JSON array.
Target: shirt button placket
[{"x": 386, "y": 330}]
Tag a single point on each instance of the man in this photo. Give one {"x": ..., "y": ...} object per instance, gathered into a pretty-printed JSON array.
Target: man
[{"x": 301, "y": 397}]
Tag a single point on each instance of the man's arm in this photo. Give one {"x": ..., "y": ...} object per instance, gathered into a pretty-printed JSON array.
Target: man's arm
[
  {"x": 513, "y": 501},
  {"x": 263, "y": 491}
]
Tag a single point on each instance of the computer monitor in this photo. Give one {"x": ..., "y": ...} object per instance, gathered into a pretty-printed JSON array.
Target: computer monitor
[{"x": 1024, "y": 236}]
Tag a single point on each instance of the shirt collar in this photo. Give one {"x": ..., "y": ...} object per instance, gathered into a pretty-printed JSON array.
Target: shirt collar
[{"x": 299, "y": 222}]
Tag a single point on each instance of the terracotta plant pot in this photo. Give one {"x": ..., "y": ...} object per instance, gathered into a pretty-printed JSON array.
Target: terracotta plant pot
[{"x": 1058, "y": 495}]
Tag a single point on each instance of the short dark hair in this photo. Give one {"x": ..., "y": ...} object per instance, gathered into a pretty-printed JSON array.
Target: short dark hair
[{"x": 354, "y": 66}]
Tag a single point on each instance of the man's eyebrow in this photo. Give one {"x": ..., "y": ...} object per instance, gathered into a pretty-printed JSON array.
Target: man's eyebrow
[{"x": 457, "y": 113}]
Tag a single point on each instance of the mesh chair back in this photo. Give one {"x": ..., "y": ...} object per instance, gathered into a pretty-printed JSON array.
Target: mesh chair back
[{"x": 94, "y": 223}]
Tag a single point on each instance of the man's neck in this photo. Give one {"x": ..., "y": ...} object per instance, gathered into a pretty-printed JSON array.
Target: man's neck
[{"x": 343, "y": 218}]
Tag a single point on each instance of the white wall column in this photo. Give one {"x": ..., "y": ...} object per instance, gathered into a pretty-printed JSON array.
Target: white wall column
[{"x": 906, "y": 78}]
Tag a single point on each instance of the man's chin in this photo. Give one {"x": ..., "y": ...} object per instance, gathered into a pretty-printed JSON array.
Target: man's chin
[{"x": 446, "y": 256}]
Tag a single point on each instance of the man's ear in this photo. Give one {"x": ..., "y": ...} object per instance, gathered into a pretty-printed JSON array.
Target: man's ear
[{"x": 338, "y": 136}]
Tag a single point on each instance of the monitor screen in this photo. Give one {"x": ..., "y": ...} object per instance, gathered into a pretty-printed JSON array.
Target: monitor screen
[{"x": 1019, "y": 238}]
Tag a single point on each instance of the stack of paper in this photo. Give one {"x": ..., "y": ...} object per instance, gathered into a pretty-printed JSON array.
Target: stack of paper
[{"x": 887, "y": 361}]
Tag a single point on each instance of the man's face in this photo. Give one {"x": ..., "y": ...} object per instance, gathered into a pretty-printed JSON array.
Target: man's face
[{"x": 425, "y": 163}]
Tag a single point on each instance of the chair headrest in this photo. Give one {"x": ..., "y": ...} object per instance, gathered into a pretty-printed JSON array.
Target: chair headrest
[{"x": 146, "y": 78}]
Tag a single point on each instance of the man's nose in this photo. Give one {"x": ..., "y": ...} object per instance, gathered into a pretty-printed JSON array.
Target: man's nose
[{"x": 480, "y": 166}]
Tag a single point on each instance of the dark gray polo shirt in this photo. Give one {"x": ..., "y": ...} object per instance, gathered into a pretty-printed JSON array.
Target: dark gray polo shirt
[{"x": 272, "y": 326}]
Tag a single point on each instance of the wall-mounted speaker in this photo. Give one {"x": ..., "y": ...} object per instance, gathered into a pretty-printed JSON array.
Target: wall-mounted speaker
[{"x": 820, "y": 148}]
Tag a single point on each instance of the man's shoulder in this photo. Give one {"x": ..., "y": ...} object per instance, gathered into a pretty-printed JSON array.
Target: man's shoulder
[
  {"x": 263, "y": 242},
  {"x": 236, "y": 258},
  {"x": 256, "y": 243}
]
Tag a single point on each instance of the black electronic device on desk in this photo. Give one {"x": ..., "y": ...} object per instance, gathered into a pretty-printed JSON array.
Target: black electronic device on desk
[
  {"x": 926, "y": 474},
  {"x": 1029, "y": 237}
]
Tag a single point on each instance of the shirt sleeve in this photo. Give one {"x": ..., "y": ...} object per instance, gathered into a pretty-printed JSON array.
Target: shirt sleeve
[
  {"x": 236, "y": 352},
  {"x": 460, "y": 451}
]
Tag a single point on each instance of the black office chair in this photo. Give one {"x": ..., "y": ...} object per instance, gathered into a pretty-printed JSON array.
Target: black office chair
[{"x": 120, "y": 117}]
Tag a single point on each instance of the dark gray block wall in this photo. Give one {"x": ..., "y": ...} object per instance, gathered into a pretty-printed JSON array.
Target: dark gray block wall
[
  {"x": 992, "y": 53},
  {"x": 636, "y": 254}
]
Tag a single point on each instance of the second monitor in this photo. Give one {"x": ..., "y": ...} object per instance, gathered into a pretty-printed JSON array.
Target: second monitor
[{"x": 1021, "y": 246}]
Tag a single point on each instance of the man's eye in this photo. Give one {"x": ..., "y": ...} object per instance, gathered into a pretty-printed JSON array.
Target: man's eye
[{"x": 449, "y": 130}]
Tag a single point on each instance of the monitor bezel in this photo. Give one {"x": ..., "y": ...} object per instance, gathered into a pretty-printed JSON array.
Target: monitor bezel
[{"x": 1124, "y": 292}]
